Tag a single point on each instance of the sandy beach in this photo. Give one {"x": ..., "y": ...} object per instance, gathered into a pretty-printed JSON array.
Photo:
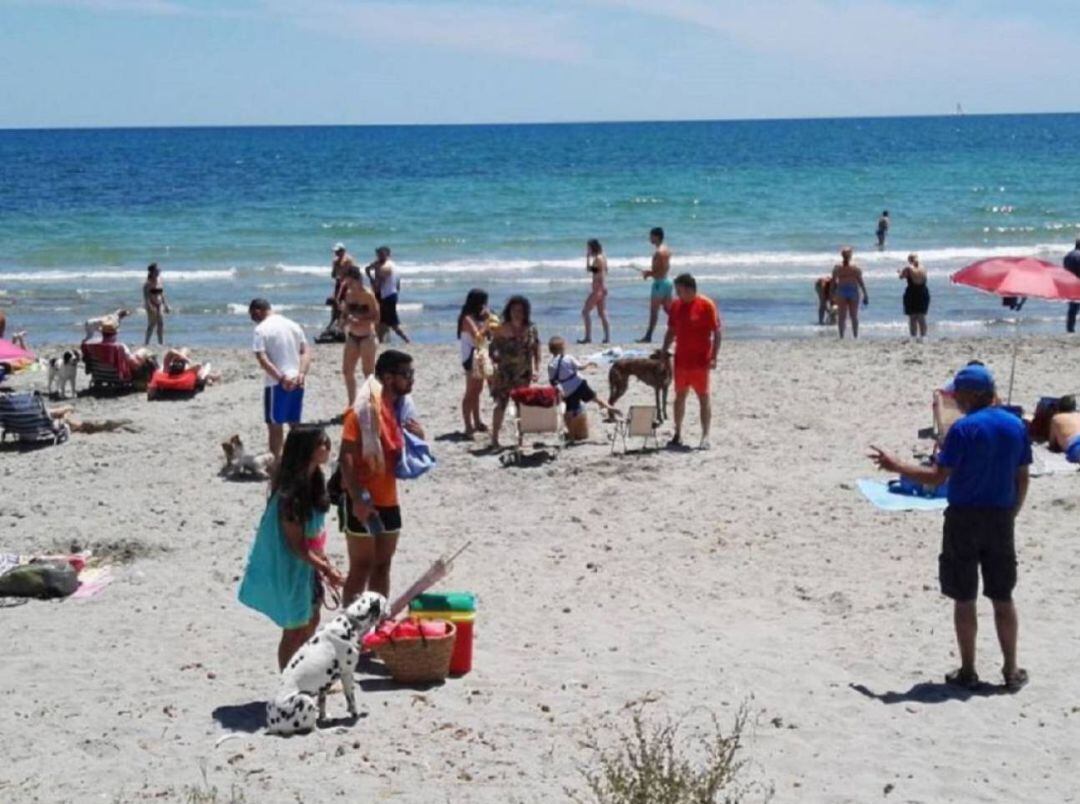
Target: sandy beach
[{"x": 689, "y": 583}]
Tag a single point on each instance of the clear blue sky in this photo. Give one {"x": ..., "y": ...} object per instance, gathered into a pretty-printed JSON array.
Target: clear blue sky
[{"x": 238, "y": 62}]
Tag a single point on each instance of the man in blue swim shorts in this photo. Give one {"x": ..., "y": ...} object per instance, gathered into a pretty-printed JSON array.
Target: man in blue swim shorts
[
  {"x": 1065, "y": 429},
  {"x": 283, "y": 354},
  {"x": 663, "y": 289}
]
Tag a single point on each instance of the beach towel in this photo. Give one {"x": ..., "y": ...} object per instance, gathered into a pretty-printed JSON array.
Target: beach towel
[
  {"x": 165, "y": 385},
  {"x": 91, "y": 581},
  {"x": 878, "y": 493},
  {"x": 1045, "y": 463},
  {"x": 609, "y": 356},
  {"x": 277, "y": 582},
  {"x": 416, "y": 458},
  {"x": 369, "y": 413}
]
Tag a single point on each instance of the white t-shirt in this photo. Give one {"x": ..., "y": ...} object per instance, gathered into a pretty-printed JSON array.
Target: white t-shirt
[
  {"x": 563, "y": 372},
  {"x": 281, "y": 339}
]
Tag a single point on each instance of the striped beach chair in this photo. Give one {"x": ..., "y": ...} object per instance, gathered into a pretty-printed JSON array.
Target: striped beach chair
[
  {"x": 107, "y": 367},
  {"x": 24, "y": 416}
]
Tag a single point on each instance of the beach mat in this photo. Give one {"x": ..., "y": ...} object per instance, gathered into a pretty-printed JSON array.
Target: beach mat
[
  {"x": 1045, "y": 463},
  {"x": 878, "y": 493}
]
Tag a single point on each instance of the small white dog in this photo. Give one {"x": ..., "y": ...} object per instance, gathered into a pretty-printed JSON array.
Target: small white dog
[
  {"x": 62, "y": 372},
  {"x": 329, "y": 655},
  {"x": 239, "y": 465}
]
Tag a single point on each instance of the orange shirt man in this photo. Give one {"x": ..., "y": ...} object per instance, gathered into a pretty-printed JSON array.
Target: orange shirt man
[{"x": 694, "y": 329}]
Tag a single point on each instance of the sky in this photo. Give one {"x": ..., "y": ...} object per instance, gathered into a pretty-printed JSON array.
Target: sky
[{"x": 74, "y": 63}]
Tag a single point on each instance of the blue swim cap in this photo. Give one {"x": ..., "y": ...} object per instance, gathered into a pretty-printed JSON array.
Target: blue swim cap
[{"x": 974, "y": 378}]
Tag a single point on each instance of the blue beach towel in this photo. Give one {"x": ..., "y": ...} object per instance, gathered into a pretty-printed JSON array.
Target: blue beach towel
[
  {"x": 276, "y": 581},
  {"x": 878, "y": 493}
]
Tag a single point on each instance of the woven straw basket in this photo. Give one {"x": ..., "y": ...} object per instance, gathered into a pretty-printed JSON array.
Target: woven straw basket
[{"x": 419, "y": 661}]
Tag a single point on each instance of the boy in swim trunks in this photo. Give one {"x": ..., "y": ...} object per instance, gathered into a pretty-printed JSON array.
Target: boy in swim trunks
[
  {"x": 662, "y": 288},
  {"x": 694, "y": 328},
  {"x": 1065, "y": 429},
  {"x": 563, "y": 374}
]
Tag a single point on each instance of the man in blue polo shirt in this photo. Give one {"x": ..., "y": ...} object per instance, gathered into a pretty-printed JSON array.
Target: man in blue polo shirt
[{"x": 985, "y": 458}]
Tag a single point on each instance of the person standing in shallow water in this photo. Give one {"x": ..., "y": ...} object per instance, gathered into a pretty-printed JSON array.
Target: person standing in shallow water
[
  {"x": 1072, "y": 265},
  {"x": 847, "y": 283},
  {"x": 882, "y": 229},
  {"x": 985, "y": 460},
  {"x": 916, "y": 296},
  {"x": 596, "y": 265},
  {"x": 663, "y": 290},
  {"x": 155, "y": 304}
]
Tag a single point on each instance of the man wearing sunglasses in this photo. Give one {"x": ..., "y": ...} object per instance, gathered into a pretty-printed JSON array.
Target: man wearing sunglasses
[{"x": 372, "y": 509}]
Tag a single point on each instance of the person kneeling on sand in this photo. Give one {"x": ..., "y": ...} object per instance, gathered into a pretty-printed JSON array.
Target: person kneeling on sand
[
  {"x": 563, "y": 374},
  {"x": 985, "y": 460},
  {"x": 1065, "y": 429}
]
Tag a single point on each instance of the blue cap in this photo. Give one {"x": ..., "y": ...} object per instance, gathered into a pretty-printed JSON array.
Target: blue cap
[{"x": 973, "y": 378}]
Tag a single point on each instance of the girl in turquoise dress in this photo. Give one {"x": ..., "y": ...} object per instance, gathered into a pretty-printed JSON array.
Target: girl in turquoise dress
[{"x": 287, "y": 564}]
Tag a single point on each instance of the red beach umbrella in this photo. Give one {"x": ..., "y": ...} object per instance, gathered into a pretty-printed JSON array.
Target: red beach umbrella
[
  {"x": 1020, "y": 276},
  {"x": 10, "y": 353}
]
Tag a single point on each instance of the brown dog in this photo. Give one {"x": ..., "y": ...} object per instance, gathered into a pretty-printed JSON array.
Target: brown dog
[{"x": 654, "y": 370}]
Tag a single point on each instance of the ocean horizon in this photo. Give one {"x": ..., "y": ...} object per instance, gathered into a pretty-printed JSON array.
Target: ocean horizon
[{"x": 755, "y": 209}]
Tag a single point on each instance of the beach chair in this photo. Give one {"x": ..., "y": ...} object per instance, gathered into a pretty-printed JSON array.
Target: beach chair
[
  {"x": 25, "y": 417},
  {"x": 531, "y": 420},
  {"x": 108, "y": 368},
  {"x": 946, "y": 412},
  {"x": 642, "y": 421}
]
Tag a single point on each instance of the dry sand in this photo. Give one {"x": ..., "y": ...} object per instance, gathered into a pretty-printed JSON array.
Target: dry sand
[{"x": 693, "y": 581}]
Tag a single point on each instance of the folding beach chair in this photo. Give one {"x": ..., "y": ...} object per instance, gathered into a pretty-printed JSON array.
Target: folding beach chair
[
  {"x": 107, "y": 367},
  {"x": 642, "y": 421},
  {"x": 534, "y": 420},
  {"x": 24, "y": 416}
]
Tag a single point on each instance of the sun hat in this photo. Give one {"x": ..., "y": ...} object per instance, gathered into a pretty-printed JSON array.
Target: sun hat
[
  {"x": 339, "y": 247},
  {"x": 110, "y": 325},
  {"x": 973, "y": 378}
]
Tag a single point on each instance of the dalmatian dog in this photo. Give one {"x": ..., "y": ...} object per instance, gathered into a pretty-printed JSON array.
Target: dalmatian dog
[{"x": 329, "y": 655}]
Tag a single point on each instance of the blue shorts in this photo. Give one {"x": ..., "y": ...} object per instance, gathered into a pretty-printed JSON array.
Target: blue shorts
[
  {"x": 662, "y": 289},
  {"x": 848, "y": 292},
  {"x": 1072, "y": 451},
  {"x": 281, "y": 406}
]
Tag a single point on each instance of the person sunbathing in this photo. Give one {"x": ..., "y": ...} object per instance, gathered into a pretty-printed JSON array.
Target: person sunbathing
[
  {"x": 177, "y": 361},
  {"x": 66, "y": 415},
  {"x": 1065, "y": 429}
]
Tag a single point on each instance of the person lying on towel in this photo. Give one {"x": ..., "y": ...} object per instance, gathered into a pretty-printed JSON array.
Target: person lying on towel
[{"x": 1065, "y": 429}]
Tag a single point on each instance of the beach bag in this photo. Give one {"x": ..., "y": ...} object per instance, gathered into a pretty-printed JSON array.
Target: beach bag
[
  {"x": 416, "y": 458},
  {"x": 40, "y": 579}
]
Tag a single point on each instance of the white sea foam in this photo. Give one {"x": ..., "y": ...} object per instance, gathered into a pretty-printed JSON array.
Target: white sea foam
[{"x": 113, "y": 275}]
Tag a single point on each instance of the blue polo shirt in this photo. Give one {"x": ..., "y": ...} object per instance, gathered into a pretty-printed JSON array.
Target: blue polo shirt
[{"x": 984, "y": 450}]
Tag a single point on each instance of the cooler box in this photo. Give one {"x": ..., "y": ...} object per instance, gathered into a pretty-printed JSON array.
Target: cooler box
[{"x": 460, "y": 609}]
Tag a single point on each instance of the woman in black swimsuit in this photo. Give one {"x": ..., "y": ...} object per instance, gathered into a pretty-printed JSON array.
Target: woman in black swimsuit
[
  {"x": 916, "y": 296},
  {"x": 154, "y": 301},
  {"x": 596, "y": 265}
]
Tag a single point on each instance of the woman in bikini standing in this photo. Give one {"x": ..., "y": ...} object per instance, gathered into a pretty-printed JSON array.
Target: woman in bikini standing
[
  {"x": 359, "y": 314},
  {"x": 916, "y": 296},
  {"x": 596, "y": 265},
  {"x": 472, "y": 330},
  {"x": 848, "y": 281},
  {"x": 154, "y": 301}
]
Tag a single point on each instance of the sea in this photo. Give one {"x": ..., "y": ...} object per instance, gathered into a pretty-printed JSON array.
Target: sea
[{"x": 755, "y": 210}]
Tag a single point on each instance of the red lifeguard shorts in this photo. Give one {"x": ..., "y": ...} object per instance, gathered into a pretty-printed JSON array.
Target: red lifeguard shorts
[{"x": 693, "y": 378}]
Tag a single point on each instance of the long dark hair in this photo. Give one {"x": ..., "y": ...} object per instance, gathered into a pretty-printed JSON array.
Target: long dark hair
[
  {"x": 298, "y": 495},
  {"x": 475, "y": 301},
  {"x": 517, "y": 299},
  {"x": 594, "y": 247}
]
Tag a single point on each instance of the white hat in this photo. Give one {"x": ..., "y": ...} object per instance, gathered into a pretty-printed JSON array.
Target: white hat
[{"x": 339, "y": 247}]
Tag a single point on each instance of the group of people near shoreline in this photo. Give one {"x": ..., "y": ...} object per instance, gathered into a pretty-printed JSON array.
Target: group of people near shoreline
[{"x": 838, "y": 295}]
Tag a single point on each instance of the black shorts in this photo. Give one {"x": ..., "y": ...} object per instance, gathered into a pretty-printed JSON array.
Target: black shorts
[
  {"x": 576, "y": 401},
  {"x": 977, "y": 538},
  {"x": 388, "y": 316},
  {"x": 390, "y": 516}
]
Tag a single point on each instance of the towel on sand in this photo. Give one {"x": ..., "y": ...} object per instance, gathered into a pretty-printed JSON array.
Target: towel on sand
[
  {"x": 878, "y": 493},
  {"x": 1050, "y": 463}
]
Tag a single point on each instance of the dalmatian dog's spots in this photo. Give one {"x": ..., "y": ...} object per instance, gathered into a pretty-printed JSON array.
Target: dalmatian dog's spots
[{"x": 329, "y": 655}]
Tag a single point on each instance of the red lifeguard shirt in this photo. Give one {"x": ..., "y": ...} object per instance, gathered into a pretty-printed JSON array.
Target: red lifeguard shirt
[{"x": 694, "y": 323}]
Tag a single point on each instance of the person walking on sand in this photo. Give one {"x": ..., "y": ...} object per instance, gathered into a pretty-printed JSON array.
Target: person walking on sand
[
  {"x": 154, "y": 302},
  {"x": 1072, "y": 265},
  {"x": 847, "y": 283},
  {"x": 282, "y": 351},
  {"x": 359, "y": 317},
  {"x": 384, "y": 280},
  {"x": 287, "y": 563},
  {"x": 882, "y": 229},
  {"x": 371, "y": 445},
  {"x": 985, "y": 460},
  {"x": 694, "y": 327},
  {"x": 596, "y": 265},
  {"x": 662, "y": 290},
  {"x": 916, "y": 296}
]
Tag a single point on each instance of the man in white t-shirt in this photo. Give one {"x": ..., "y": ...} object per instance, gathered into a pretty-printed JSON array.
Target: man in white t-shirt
[{"x": 283, "y": 353}]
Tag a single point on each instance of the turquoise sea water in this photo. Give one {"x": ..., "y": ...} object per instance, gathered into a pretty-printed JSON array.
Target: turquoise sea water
[{"x": 756, "y": 210}]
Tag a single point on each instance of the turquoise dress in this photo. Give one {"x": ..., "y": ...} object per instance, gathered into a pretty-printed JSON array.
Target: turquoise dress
[{"x": 277, "y": 582}]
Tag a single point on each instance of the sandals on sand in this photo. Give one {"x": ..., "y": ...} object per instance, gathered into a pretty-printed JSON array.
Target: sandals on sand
[
  {"x": 964, "y": 680},
  {"x": 1017, "y": 681}
]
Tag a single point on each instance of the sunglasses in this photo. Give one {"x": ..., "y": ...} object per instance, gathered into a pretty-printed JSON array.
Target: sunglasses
[{"x": 406, "y": 374}]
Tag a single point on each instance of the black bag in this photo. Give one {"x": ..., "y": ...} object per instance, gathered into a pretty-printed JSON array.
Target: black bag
[
  {"x": 334, "y": 490},
  {"x": 40, "y": 579}
]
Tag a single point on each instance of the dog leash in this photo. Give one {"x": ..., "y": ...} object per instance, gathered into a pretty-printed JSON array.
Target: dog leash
[{"x": 330, "y": 594}]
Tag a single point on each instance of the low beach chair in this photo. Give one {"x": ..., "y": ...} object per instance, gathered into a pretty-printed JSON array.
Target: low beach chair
[
  {"x": 108, "y": 368},
  {"x": 25, "y": 417},
  {"x": 533, "y": 420},
  {"x": 642, "y": 421},
  {"x": 946, "y": 412}
]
